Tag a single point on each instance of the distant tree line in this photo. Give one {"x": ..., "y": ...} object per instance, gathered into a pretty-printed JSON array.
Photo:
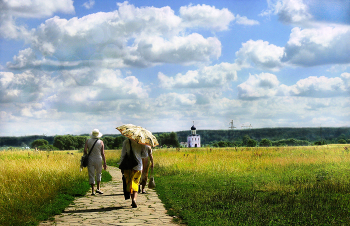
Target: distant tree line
[
  {"x": 248, "y": 142},
  {"x": 70, "y": 142},
  {"x": 277, "y": 136},
  {"x": 216, "y": 138},
  {"x": 23, "y": 141}
]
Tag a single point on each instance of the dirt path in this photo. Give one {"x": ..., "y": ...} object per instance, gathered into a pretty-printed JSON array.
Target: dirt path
[{"x": 112, "y": 209}]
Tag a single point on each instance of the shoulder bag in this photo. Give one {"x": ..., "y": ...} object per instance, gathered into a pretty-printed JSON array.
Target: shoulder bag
[
  {"x": 129, "y": 161},
  {"x": 85, "y": 158},
  {"x": 151, "y": 183}
]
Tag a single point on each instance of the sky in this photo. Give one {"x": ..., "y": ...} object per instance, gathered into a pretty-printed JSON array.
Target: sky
[{"x": 68, "y": 67}]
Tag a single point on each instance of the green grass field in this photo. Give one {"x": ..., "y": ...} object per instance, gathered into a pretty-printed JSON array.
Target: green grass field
[
  {"x": 202, "y": 186},
  {"x": 256, "y": 186},
  {"x": 37, "y": 185}
]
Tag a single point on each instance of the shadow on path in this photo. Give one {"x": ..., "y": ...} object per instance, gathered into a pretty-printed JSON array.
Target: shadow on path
[{"x": 94, "y": 210}]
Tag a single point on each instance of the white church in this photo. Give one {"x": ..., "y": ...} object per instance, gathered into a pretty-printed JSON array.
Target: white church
[{"x": 193, "y": 140}]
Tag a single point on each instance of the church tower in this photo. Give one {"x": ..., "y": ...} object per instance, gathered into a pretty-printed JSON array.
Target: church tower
[{"x": 193, "y": 140}]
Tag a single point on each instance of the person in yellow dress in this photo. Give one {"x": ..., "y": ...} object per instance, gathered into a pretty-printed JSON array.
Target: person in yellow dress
[{"x": 133, "y": 176}]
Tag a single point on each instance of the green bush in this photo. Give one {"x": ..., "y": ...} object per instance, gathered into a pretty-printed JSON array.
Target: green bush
[
  {"x": 48, "y": 147},
  {"x": 265, "y": 143},
  {"x": 341, "y": 141},
  {"x": 39, "y": 142},
  {"x": 251, "y": 143}
]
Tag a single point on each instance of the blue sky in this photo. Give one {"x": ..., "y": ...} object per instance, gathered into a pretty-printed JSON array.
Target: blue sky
[{"x": 68, "y": 67}]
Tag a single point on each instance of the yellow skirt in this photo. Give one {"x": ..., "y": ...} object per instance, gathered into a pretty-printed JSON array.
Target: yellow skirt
[{"x": 132, "y": 178}]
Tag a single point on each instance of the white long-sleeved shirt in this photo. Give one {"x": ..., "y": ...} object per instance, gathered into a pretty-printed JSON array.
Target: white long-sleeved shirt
[{"x": 136, "y": 148}]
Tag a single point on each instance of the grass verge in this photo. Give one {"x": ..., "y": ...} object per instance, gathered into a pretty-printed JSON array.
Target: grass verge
[
  {"x": 39, "y": 185},
  {"x": 287, "y": 186}
]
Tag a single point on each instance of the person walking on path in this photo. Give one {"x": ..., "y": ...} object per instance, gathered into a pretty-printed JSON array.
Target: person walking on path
[
  {"x": 132, "y": 176},
  {"x": 104, "y": 210},
  {"x": 146, "y": 159},
  {"x": 97, "y": 155}
]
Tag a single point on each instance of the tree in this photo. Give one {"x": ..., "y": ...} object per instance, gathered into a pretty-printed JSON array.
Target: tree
[
  {"x": 69, "y": 142},
  {"x": 80, "y": 141},
  {"x": 251, "y": 143},
  {"x": 246, "y": 138},
  {"x": 39, "y": 142},
  {"x": 108, "y": 142},
  {"x": 59, "y": 142},
  {"x": 322, "y": 142},
  {"x": 118, "y": 142},
  {"x": 265, "y": 143},
  {"x": 168, "y": 139},
  {"x": 341, "y": 141}
]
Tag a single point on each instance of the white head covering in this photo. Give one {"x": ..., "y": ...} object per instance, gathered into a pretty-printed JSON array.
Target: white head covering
[{"x": 95, "y": 134}]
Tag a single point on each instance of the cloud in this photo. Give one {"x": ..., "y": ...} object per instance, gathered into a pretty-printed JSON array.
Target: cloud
[
  {"x": 346, "y": 78},
  {"x": 10, "y": 10},
  {"x": 266, "y": 85},
  {"x": 206, "y": 16},
  {"x": 89, "y": 4},
  {"x": 25, "y": 59},
  {"x": 318, "y": 39},
  {"x": 127, "y": 37},
  {"x": 259, "y": 86},
  {"x": 289, "y": 11},
  {"x": 219, "y": 75},
  {"x": 306, "y": 47},
  {"x": 36, "y": 8},
  {"x": 175, "y": 100},
  {"x": 292, "y": 11},
  {"x": 65, "y": 100},
  {"x": 73, "y": 87},
  {"x": 180, "y": 50},
  {"x": 261, "y": 54},
  {"x": 318, "y": 46},
  {"x": 245, "y": 21},
  {"x": 309, "y": 13},
  {"x": 23, "y": 87},
  {"x": 321, "y": 86}
]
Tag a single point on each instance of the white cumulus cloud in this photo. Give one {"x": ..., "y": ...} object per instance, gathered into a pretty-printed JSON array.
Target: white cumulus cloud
[
  {"x": 10, "y": 10},
  {"x": 266, "y": 85},
  {"x": 322, "y": 86},
  {"x": 219, "y": 75},
  {"x": 127, "y": 37},
  {"x": 318, "y": 46},
  {"x": 245, "y": 21},
  {"x": 260, "y": 53},
  {"x": 258, "y": 86},
  {"x": 289, "y": 11},
  {"x": 205, "y": 15}
]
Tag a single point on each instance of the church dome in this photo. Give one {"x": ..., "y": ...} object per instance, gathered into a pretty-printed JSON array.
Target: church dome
[{"x": 193, "y": 128}]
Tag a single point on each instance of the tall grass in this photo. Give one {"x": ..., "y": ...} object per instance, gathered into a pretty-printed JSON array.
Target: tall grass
[
  {"x": 256, "y": 186},
  {"x": 112, "y": 157},
  {"x": 36, "y": 185}
]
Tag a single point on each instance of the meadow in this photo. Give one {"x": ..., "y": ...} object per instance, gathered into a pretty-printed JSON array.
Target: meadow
[
  {"x": 255, "y": 186},
  {"x": 199, "y": 186},
  {"x": 36, "y": 185}
]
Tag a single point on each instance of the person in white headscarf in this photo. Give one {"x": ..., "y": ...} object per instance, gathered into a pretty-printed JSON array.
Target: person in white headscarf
[{"x": 97, "y": 155}]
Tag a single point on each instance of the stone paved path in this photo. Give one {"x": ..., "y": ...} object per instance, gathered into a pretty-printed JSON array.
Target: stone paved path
[{"x": 112, "y": 209}]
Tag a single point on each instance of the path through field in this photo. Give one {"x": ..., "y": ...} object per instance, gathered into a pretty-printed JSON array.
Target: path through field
[{"x": 112, "y": 209}]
